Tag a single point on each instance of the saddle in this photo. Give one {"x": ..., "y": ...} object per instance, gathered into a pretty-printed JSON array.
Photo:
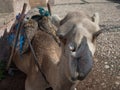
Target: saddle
[{"x": 35, "y": 19}]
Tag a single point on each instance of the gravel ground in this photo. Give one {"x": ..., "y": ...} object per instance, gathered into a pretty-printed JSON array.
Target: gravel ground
[
  {"x": 109, "y": 11},
  {"x": 106, "y": 70}
]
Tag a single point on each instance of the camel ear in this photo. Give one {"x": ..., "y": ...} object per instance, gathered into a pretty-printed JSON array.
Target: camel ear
[
  {"x": 55, "y": 20},
  {"x": 64, "y": 29},
  {"x": 65, "y": 19},
  {"x": 96, "y": 34},
  {"x": 95, "y": 18}
]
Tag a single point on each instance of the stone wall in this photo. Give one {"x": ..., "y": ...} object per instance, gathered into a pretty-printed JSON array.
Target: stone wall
[
  {"x": 8, "y": 10},
  {"x": 9, "y": 6},
  {"x": 18, "y": 5},
  {"x": 6, "y": 6},
  {"x": 35, "y": 3}
]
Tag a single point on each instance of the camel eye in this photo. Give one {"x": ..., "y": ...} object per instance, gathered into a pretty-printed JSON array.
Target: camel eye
[{"x": 27, "y": 18}]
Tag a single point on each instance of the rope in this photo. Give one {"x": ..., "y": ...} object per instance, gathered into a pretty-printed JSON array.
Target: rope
[{"x": 43, "y": 12}]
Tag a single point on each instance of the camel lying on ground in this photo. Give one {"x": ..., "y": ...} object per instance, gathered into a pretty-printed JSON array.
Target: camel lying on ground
[{"x": 63, "y": 65}]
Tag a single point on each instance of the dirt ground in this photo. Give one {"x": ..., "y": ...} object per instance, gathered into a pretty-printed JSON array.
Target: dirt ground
[{"x": 106, "y": 70}]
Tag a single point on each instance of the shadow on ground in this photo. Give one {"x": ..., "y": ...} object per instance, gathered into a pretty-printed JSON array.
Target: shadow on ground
[
  {"x": 87, "y": 2},
  {"x": 115, "y": 1},
  {"x": 118, "y": 7},
  {"x": 15, "y": 82}
]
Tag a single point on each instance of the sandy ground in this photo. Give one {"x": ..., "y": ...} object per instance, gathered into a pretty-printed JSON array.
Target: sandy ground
[{"x": 106, "y": 70}]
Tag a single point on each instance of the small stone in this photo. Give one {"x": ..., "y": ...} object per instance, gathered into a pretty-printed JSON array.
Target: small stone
[
  {"x": 96, "y": 60},
  {"x": 107, "y": 66},
  {"x": 102, "y": 71},
  {"x": 117, "y": 83},
  {"x": 106, "y": 62},
  {"x": 102, "y": 84},
  {"x": 113, "y": 52},
  {"x": 111, "y": 69},
  {"x": 112, "y": 65},
  {"x": 118, "y": 77}
]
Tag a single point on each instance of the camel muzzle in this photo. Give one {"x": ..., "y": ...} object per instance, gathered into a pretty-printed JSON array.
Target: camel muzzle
[{"x": 83, "y": 59}]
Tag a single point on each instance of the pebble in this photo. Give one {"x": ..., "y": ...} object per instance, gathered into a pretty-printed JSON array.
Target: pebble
[
  {"x": 107, "y": 66},
  {"x": 118, "y": 77},
  {"x": 96, "y": 60},
  {"x": 113, "y": 52},
  {"x": 115, "y": 57},
  {"x": 102, "y": 84},
  {"x": 117, "y": 83},
  {"x": 106, "y": 62},
  {"x": 112, "y": 65}
]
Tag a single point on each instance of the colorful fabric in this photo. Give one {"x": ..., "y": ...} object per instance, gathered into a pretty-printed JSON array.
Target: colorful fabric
[
  {"x": 43, "y": 12},
  {"x": 21, "y": 37}
]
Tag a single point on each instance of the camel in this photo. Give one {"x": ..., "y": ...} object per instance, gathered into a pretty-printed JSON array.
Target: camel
[{"x": 63, "y": 65}]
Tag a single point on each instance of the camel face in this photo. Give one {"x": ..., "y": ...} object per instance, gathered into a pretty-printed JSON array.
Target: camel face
[
  {"x": 77, "y": 29},
  {"x": 80, "y": 61}
]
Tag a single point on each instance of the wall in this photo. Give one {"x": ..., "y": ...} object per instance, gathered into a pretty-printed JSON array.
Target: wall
[
  {"x": 6, "y": 6},
  {"x": 9, "y": 6},
  {"x": 35, "y": 3},
  {"x": 18, "y": 5}
]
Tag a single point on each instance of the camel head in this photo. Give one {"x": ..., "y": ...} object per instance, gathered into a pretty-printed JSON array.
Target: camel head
[
  {"x": 4, "y": 47},
  {"x": 78, "y": 32}
]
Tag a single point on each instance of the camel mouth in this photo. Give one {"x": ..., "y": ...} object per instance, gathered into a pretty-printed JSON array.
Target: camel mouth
[
  {"x": 81, "y": 62},
  {"x": 82, "y": 68},
  {"x": 81, "y": 78},
  {"x": 78, "y": 78}
]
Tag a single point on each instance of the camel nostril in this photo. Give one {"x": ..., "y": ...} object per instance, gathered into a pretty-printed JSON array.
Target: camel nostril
[
  {"x": 73, "y": 78},
  {"x": 50, "y": 88},
  {"x": 81, "y": 76},
  {"x": 72, "y": 47}
]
